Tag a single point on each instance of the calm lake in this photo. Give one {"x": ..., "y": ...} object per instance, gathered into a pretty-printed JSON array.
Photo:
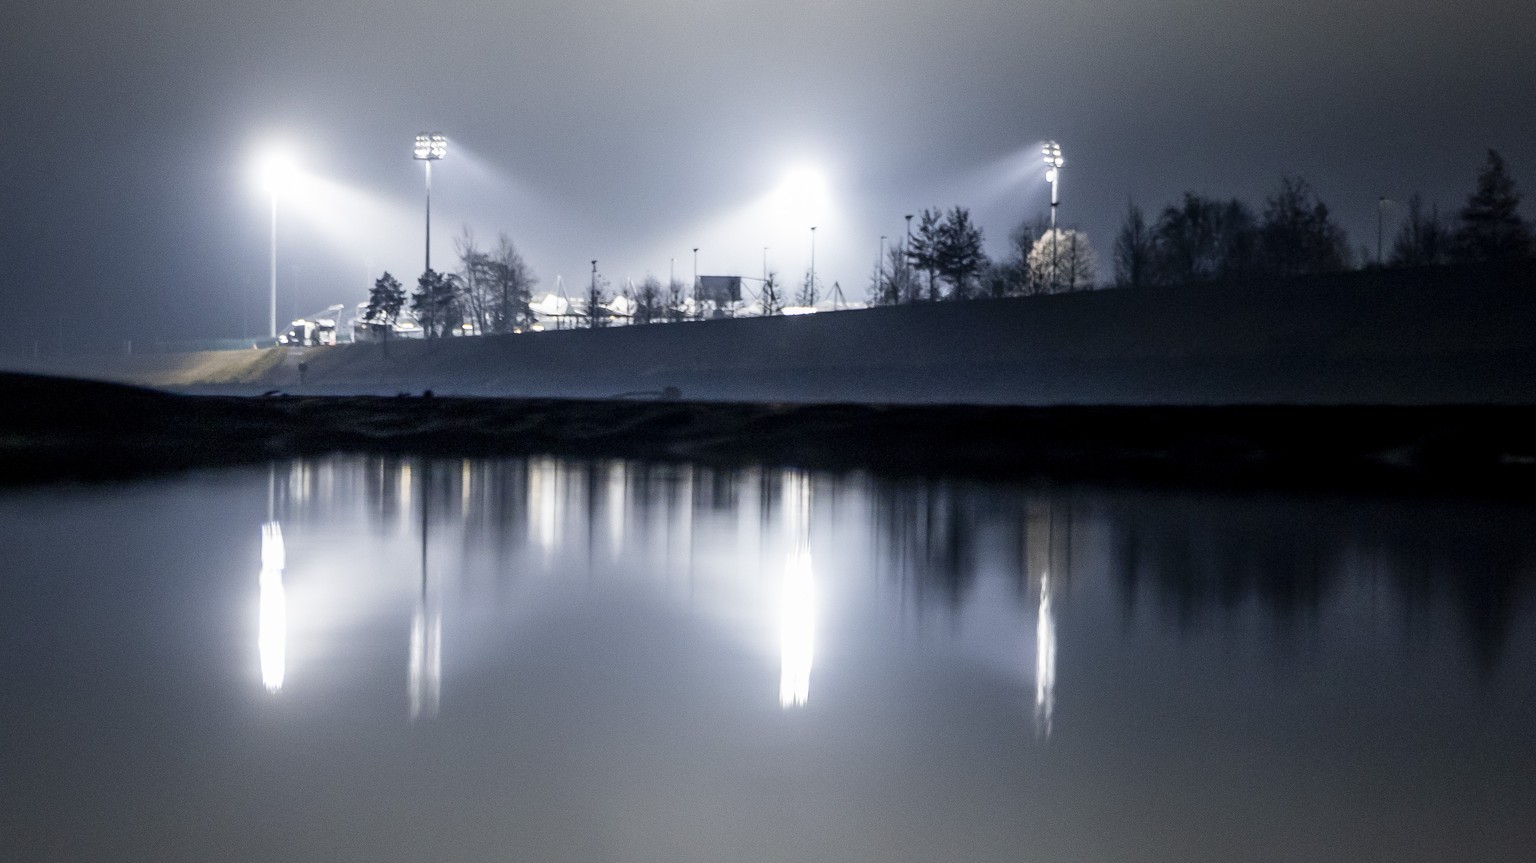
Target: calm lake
[{"x": 534, "y": 659}]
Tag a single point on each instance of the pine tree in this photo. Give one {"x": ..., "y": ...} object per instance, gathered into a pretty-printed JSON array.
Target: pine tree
[
  {"x": 384, "y": 303},
  {"x": 958, "y": 256},
  {"x": 435, "y": 303},
  {"x": 1491, "y": 227}
]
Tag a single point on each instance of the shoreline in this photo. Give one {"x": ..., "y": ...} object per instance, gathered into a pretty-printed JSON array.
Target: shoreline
[{"x": 67, "y": 429}]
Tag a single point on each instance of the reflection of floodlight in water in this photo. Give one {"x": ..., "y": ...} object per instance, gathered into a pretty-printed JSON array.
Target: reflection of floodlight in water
[
  {"x": 272, "y": 632},
  {"x": 1045, "y": 659},
  {"x": 797, "y": 629},
  {"x": 797, "y": 597}
]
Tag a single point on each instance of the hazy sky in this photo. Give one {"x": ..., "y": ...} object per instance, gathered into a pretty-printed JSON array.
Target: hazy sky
[{"x": 633, "y": 131}]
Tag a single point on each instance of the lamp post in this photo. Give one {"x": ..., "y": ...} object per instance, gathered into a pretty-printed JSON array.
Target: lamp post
[
  {"x": 813, "y": 265},
  {"x": 880, "y": 269},
  {"x": 430, "y": 146},
  {"x": 1381, "y": 205},
  {"x": 1054, "y": 163}
]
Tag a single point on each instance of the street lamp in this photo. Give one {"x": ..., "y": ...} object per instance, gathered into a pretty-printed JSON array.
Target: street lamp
[
  {"x": 430, "y": 146},
  {"x": 813, "y": 265},
  {"x": 277, "y": 174},
  {"x": 1053, "y": 162},
  {"x": 880, "y": 269}
]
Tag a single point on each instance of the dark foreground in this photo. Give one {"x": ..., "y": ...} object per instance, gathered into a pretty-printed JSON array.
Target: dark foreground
[{"x": 57, "y": 428}]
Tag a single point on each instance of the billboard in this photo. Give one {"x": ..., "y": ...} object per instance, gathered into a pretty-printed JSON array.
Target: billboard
[{"x": 720, "y": 289}]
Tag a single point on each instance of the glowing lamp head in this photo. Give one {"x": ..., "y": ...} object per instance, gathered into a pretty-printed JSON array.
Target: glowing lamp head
[
  {"x": 430, "y": 146},
  {"x": 1052, "y": 154},
  {"x": 277, "y": 172}
]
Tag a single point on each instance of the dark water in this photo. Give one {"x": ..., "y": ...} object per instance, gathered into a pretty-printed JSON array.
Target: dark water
[{"x": 556, "y": 661}]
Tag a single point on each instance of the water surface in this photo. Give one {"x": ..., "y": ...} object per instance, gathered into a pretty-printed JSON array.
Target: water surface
[{"x": 400, "y": 659}]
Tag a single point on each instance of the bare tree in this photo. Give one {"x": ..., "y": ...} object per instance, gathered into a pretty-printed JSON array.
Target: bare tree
[
  {"x": 1134, "y": 250},
  {"x": 1297, "y": 235},
  {"x": 771, "y": 299},
  {"x": 650, "y": 303},
  {"x": 1423, "y": 240}
]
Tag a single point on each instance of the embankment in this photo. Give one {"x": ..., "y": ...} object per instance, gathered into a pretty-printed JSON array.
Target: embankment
[{"x": 1431, "y": 336}]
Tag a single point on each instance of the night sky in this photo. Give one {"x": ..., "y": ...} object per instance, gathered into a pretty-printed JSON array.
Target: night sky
[{"x": 631, "y": 132}]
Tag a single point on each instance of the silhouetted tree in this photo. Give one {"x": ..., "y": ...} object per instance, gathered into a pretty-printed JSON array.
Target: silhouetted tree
[
  {"x": 384, "y": 303},
  {"x": 597, "y": 295},
  {"x": 512, "y": 284},
  {"x": 923, "y": 249},
  {"x": 649, "y": 301},
  {"x": 771, "y": 299},
  {"x": 1491, "y": 228},
  {"x": 1423, "y": 240},
  {"x": 957, "y": 252},
  {"x": 677, "y": 296},
  {"x": 1135, "y": 253},
  {"x": 808, "y": 293},
  {"x": 1201, "y": 239},
  {"x": 435, "y": 303},
  {"x": 1297, "y": 236},
  {"x": 495, "y": 288}
]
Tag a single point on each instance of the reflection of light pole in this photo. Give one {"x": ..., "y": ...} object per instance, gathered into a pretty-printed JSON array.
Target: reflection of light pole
[
  {"x": 1054, "y": 162},
  {"x": 430, "y": 146}
]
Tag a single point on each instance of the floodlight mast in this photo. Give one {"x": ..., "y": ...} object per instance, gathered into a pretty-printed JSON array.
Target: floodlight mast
[
  {"x": 1054, "y": 163},
  {"x": 430, "y": 146},
  {"x": 276, "y": 173}
]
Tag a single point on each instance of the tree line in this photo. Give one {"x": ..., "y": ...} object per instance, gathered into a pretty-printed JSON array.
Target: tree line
[
  {"x": 1202, "y": 239},
  {"x": 1197, "y": 239}
]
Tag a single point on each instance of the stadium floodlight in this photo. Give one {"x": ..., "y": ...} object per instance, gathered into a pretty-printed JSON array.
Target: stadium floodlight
[
  {"x": 1053, "y": 162},
  {"x": 277, "y": 176},
  {"x": 430, "y": 146}
]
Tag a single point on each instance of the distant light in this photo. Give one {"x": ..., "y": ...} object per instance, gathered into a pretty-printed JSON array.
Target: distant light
[{"x": 430, "y": 146}]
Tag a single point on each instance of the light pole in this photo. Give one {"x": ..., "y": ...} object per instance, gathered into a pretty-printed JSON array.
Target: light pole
[
  {"x": 880, "y": 269},
  {"x": 695, "y": 275},
  {"x": 1053, "y": 162},
  {"x": 1381, "y": 205},
  {"x": 277, "y": 173},
  {"x": 430, "y": 146},
  {"x": 813, "y": 265}
]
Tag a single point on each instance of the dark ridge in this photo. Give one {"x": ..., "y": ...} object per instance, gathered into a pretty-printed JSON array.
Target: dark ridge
[{"x": 58, "y": 428}]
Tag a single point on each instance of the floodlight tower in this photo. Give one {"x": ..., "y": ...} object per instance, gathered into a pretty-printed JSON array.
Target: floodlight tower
[
  {"x": 277, "y": 173},
  {"x": 1053, "y": 162},
  {"x": 430, "y": 146}
]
